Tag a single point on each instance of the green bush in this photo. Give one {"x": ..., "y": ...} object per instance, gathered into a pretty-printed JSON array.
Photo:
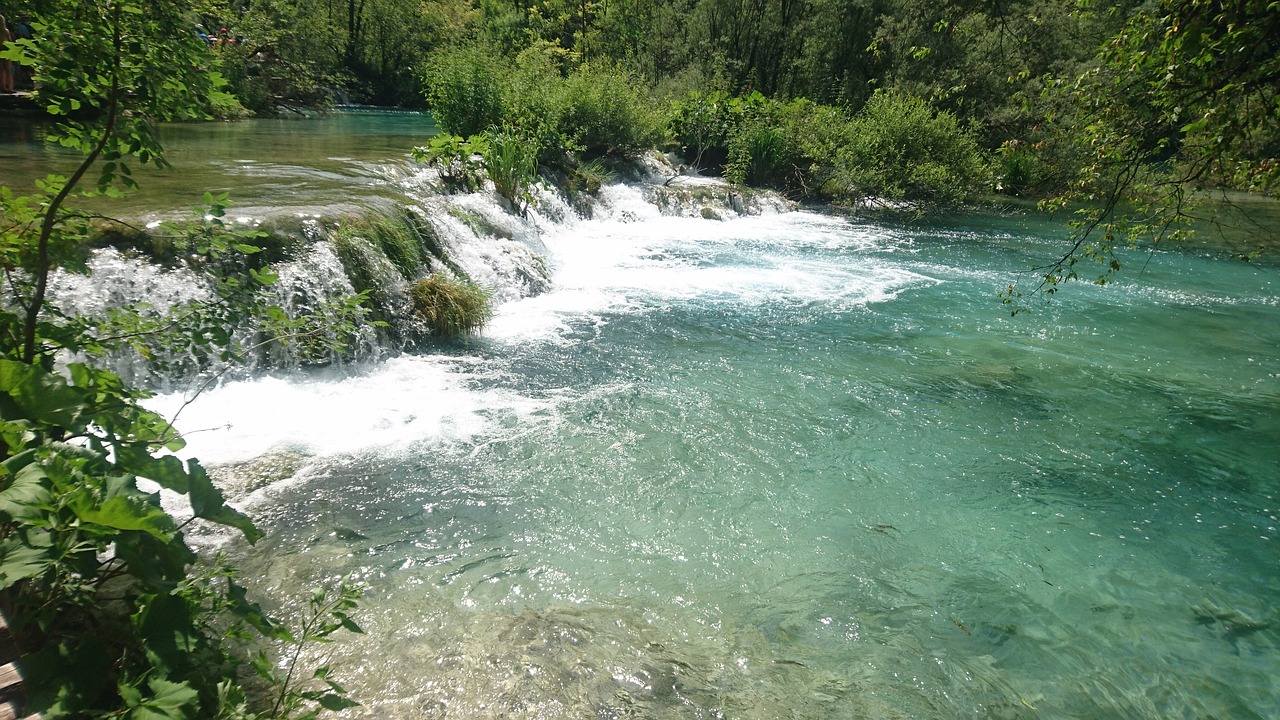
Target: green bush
[
  {"x": 760, "y": 155},
  {"x": 535, "y": 101},
  {"x": 455, "y": 157},
  {"x": 899, "y": 148},
  {"x": 451, "y": 308},
  {"x": 1020, "y": 170},
  {"x": 705, "y": 124},
  {"x": 608, "y": 111},
  {"x": 594, "y": 110},
  {"x": 464, "y": 89},
  {"x": 786, "y": 146}
]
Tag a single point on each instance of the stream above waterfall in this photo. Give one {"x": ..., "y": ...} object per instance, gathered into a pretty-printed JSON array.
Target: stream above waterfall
[
  {"x": 308, "y": 163},
  {"x": 776, "y": 464}
]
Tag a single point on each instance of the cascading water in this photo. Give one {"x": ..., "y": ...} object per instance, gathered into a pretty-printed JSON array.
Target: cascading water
[
  {"x": 778, "y": 464},
  {"x": 472, "y": 235}
]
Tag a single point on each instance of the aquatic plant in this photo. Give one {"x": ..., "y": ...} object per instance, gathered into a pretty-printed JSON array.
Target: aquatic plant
[
  {"x": 590, "y": 176},
  {"x": 396, "y": 237},
  {"x": 511, "y": 162},
  {"x": 451, "y": 308}
]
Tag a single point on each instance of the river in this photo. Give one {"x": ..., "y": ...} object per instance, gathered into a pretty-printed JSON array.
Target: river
[{"x": 788, "y": 465}]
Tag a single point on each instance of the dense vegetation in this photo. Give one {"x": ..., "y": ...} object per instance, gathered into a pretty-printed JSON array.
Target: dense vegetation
[
  {"x": 116, "y": 613},
  {"x": 1125, "y": 113},
  {"x": 1106, "y": 106}
]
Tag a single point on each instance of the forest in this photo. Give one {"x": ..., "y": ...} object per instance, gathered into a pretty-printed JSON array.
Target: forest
[{"x": 1088, "y": 105}]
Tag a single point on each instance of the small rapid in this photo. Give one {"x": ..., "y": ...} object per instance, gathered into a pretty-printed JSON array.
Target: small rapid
[{"x": 788, "y": 464}]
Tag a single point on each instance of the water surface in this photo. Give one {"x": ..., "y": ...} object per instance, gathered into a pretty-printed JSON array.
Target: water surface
[
  {"x": 288, "y": 163},
  {"x": 782, "y": 466},
  {"x": 798, "y": 466}
]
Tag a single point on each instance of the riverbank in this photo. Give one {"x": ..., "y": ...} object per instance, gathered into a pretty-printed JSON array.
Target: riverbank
[{"x": 19, "y": 103}]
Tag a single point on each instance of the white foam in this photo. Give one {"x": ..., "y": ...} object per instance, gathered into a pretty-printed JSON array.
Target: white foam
[
  {"x": 632, "y": 259},
  {"x": 395, "y": 404},
  {"x": 637, "y": 258}
]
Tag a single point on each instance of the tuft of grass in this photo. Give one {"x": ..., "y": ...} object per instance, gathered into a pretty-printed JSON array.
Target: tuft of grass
[
  {"x": 473, "y": 220},
  {"x": 400, "y": 243},
  {"x": 369, "y": 272},
  {"x": 590, "y": 176},
  {"x": 356, "y": 255},
  {"x": 395, "y": 237},
  {"x": 451, "y": 308}
]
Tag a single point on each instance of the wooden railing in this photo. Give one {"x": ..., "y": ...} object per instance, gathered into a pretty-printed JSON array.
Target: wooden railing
[{"x": 12, "y": 696}]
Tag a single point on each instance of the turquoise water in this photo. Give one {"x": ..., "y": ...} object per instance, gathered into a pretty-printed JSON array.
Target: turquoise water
[
  {"x": 783, "y": 466},
  {"x": 296, "y": 163},
  {"x": 798, "y": 466}
]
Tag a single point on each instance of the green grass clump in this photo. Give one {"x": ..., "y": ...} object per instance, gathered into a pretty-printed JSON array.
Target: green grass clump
[
  {"x": 590, "y": 176},
  {"x": 399, "y": 242},
  {"x": 395, "y": 237},
  {"x": 512, "y": 164},
  {"x": 451, "y": 308}
]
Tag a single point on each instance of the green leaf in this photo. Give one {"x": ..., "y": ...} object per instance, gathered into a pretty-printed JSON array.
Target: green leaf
[
  {"x": 331, "y": 701},
  {"x": 64, "y": 679},
  {"x": 349, "y": 624},
  {"x": 264, "y": 277},
  {"x": 207, "y": 502},
  {"x": 41, "y": 395},
  {"x": 253, "y": 614},
  {"x": 25, "y": 555},
  {"x": 170, "y": 701},
  {"x": 166, "y": 470},
  {"x": 127, "y": 513},
  {"x": 131, "y": 695},
  {"x": 26, "y": 493}
]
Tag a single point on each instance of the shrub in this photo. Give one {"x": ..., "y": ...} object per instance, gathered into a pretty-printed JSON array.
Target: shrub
[
  {"x": 607, "y": 110},
  {"x": 759, "y": 155},
  {"x": 815, "y": 131},
  {"x": 451, "y": 308},
  {"x": 508, "y": 158},
  {"x": 535, "y": 101},
  {"x": 786, "y": 146},
  {"x": 1020, "y": 170},
  {"x": 464, "y": 89},
  {"x": 455, "y": 158},
  {"x": 706, "y": 123},
  {"x": 899, "y": 148}
]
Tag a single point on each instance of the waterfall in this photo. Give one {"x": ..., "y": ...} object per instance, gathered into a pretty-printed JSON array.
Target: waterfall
[{"x": 469, "y": 236}]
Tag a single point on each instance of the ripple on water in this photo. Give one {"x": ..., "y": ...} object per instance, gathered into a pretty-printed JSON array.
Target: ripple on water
[{"x": 756, "y": 476}]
